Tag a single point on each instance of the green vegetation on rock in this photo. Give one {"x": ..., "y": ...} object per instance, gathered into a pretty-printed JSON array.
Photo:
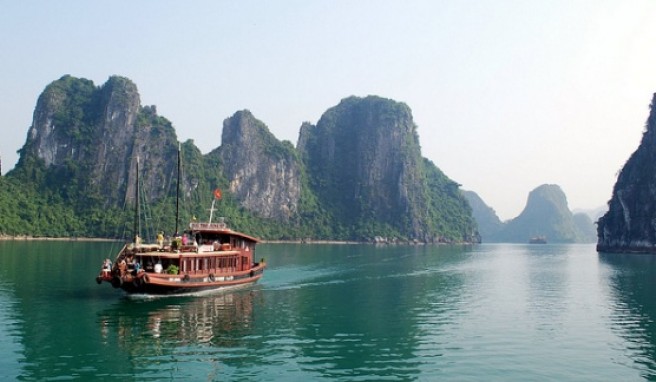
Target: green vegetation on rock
[{"x": 357, "y": 175}]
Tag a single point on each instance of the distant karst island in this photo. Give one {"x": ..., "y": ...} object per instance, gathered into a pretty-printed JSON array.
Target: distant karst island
[{"x": 546, "y": 216}]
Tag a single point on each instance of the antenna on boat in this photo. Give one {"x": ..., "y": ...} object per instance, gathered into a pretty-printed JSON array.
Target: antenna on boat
[
  {"x": 212, "y": 209},
  {"x": 177, "y": 194}
]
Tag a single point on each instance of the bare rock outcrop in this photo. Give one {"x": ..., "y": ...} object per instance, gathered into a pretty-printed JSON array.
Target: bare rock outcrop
[{"x": 264, "y": 174}]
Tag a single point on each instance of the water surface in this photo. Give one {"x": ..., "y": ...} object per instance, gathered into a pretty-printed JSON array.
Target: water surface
[{"x": 339, "y": 312}]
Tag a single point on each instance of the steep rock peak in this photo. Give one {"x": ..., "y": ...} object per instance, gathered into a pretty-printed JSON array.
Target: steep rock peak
[
  {"x": 95, "y": 133},
  {"x": 549, "y": 193},
  {"x": 60, "y": 113},
  {"x": 365, "y": 165},
  {"x": 546, "y": 214},
  {"x": 264, "y": 173},
  {"x": 121, "y": 97},
  {"x": 240, "y": 128},
  {"x": 71, "y": 112}
]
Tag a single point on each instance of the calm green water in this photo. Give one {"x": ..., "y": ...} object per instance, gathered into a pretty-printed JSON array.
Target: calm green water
[{"x": 339, "y": 312}]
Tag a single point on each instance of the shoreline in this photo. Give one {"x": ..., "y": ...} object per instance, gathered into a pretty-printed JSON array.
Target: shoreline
[
  {"x": 98, "y": 239},
  {"x": 344, "y": 242},
  {"x": 326, "y": 242},
  {"x": 42, "y": 238},
  {"x": 350, "y": 242}
]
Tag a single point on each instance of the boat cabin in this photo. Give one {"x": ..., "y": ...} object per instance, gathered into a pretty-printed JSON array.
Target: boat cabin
[{"x": 207, "y": 249}]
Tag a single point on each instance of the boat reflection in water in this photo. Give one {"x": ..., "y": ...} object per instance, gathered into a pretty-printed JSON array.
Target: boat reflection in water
[{"x": 145, "y": 327}]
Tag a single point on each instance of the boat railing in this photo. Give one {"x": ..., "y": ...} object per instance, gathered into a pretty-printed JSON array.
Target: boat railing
[{"x": 189, "y": 248}]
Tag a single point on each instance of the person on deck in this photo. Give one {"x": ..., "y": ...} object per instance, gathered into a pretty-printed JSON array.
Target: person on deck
[
  {"x": 107, "y": 266},
  {"x": 160, "y": 239},
  {"x": 122, "y": 267}
]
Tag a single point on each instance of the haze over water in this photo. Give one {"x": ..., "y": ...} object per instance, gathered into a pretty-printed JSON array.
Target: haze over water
[{"x": 339, "y": 312}]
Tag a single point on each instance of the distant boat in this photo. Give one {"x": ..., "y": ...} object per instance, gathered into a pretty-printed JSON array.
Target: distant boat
[
  {"x": 538, "y": 240},
  {"x": 207, "y": 256}
]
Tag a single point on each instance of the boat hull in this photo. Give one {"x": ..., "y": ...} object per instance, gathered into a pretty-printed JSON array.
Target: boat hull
[{"x": 161, "y": 285}]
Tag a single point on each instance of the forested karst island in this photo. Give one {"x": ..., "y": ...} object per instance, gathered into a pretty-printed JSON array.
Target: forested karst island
[{"x": 358, "y": 174}]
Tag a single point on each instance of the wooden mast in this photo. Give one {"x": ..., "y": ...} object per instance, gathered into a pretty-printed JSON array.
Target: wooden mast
[
  {"x": 137, "y": 212},
  {"x": 177, "y": 195}
]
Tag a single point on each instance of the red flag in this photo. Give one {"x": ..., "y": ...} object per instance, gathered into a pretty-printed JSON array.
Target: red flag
[{"x": 217, "y": 193}]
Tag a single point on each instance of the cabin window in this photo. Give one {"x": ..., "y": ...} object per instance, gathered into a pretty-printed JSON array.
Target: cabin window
[
  {"x": 186, "y": 266},
  {"x": 227, "y": 263}
]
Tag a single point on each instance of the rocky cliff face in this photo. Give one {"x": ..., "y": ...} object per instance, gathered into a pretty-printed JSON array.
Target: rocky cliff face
[
  {"x": 93, "y": 135},
  {"x": 630, "y": 223},
  {"x": 264, "y": 174},
  {"x": 365, "y": 165},
  {"x": 355, "y": 158}
]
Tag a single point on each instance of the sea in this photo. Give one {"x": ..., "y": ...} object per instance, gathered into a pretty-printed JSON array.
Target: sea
[{"x": 338, "y": 312}]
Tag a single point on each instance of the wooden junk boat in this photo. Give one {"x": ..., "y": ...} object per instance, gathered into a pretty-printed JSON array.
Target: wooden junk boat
[
  {"x": 215, "y": 257},
  {"x": 207, "y": 256}
]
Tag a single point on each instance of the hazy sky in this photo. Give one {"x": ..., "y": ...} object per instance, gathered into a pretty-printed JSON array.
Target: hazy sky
[{"x": 507, "y": 95}]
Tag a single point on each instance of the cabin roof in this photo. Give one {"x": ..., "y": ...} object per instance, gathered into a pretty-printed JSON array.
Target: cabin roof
[{"x": 219, "y": 229}]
